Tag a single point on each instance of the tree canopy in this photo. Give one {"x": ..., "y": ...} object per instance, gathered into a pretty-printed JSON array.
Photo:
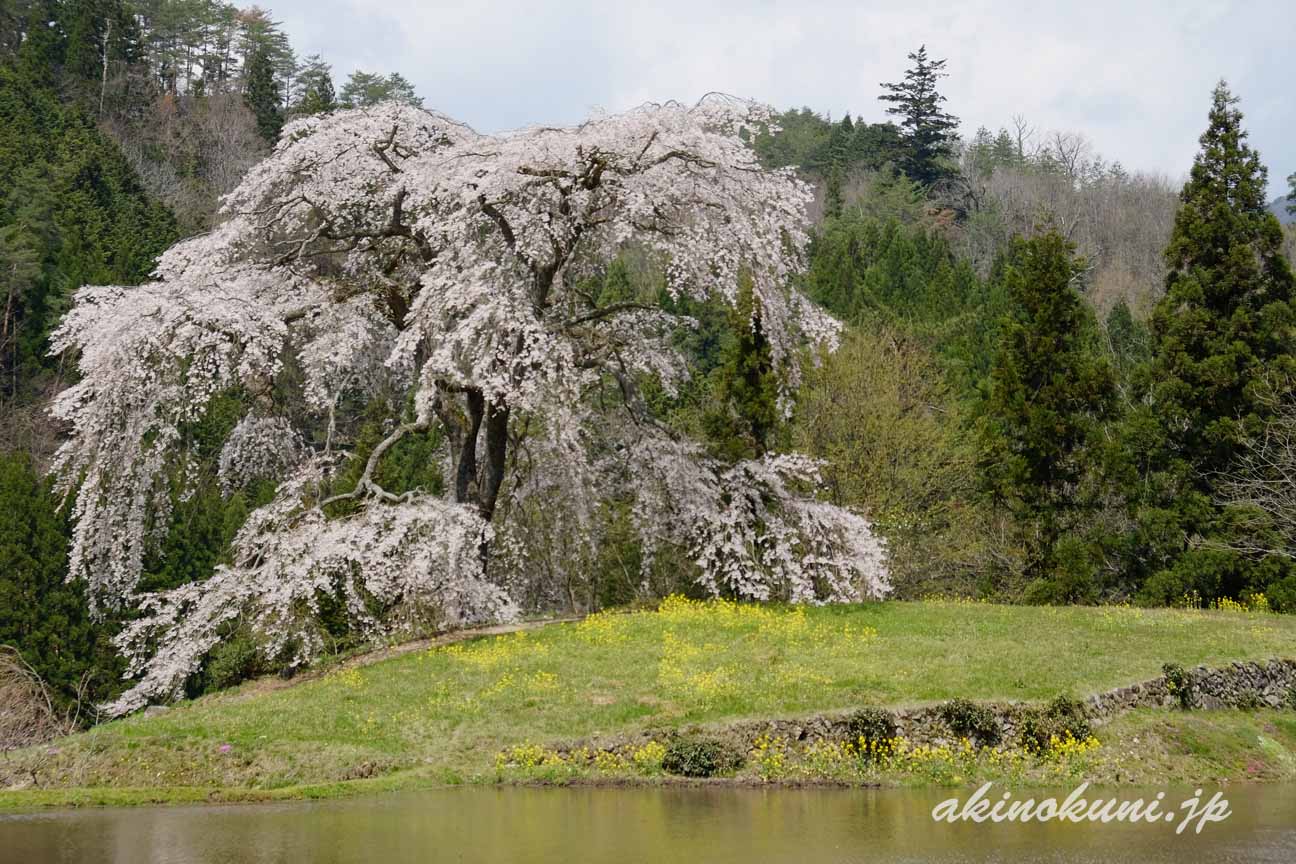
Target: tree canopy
[{"x": 364, "y": 89}]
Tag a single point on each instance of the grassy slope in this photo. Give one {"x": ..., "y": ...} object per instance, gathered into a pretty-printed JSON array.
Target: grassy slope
[{"x": 441, "y": 715}]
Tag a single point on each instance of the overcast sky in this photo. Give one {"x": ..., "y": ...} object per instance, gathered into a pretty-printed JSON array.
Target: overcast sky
[{"x": 1134, "y": 76}]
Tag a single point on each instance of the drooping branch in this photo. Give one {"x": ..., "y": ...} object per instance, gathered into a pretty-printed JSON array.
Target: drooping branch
[{"x": 506, "y": 230}]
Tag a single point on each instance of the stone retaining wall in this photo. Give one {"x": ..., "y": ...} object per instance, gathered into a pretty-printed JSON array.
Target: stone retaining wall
[
  {"x": 1223, "y": 687},
  {"x": 1266, "y": 684}
]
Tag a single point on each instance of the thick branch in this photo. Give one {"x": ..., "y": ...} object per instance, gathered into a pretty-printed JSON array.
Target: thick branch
[
  {"x": 365, "y": 485},
  {"x": 606, "y": 311},
  {"x": 498, "y": 218}
]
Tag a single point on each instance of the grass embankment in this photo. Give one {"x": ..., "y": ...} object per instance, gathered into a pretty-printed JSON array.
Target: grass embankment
[{"x": 444, "y": 715}]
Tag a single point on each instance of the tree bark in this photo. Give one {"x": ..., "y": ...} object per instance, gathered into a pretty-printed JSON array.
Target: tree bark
[
  {"x": 497, "y": 419},
  {"x": 476, "y": 484},
  {"x": 466, "y": 470}
]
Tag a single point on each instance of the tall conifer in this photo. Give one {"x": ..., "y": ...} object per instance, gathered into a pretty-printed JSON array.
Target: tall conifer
[
  {"x": 1222, "y": 339},
  {"x": 262, "y": 95},
  {"x": 927, "y": 130},
  {"x": 1051, "y": 389}
]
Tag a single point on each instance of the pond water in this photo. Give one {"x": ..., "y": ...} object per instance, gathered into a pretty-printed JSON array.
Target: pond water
[{"x": 546, "y": 825}]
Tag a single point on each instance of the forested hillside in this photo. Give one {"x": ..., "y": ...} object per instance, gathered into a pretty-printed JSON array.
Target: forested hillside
[
  {"x": 1054, "y": 380},
  {"x": 121, "y": 124}
]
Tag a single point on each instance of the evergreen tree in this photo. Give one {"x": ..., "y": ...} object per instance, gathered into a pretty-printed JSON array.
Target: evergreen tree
[
  {"x": 834, "y": 194},
  {"x": 979, "y": 154},
  {"x": 927, "y": 131},
  {"x": 101, "y": 35},
  {"x": 1222, "y": 345},
  {"x": 400, "y": 89},
  {"x": 1051, "y": 388},
  {"x": 839, "y": 142},
  {"x": 41, "y": 614},
  {"x": 875, "y": 145},
  {"x": 314, "y": 88},
  {"x": 41, "y": 55},
  {"x": 1130, "y": 341},
  {"x": 839, "y": 159},
  {"x": 1004, "y": 150},
  {"x": 262, "y": 95},
  {"x": 20, "y": 277},
  {"x": 364, "y": 88},
  {"x": 744, "y": 413},
  {"x": 85, "y": 38}
]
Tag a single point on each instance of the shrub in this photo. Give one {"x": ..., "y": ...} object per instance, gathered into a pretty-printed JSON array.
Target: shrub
[
  {"x": 1281, "y": 595},
  {"x": 1249, "y": 701},
  {"x": 1180, "y": 683},
  {"x": 700, "y": 757},
  {"x": 970, "y": 720},
  {"x": 1061, "y": 717},
  {"x": 870, "y": 729},
  {"x": 232, "y": 661},
  {"x": 1073, "y": 576}
]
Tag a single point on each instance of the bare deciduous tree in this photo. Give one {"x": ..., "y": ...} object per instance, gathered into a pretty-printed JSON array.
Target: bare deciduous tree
[
  {"x": 213, "y": 139},
  {"x": 1263, "y": 484},
  {"x": 1120, "y": 222},
  {"x": 1024, "y": 134}
]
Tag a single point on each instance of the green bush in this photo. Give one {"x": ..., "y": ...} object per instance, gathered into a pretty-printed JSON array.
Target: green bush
[
  {"x": 870, "y": 729},
  {"x": 1281, "y": 594},
  {"x": 970, "y": 720},
  {"x": 1073, "y": 576},
  {"x": 700, "y": 757},
  {"x": 1180, "y": 682},
  {"x": 1061, "y": 717},
  {"x": 232, "y": 661}
]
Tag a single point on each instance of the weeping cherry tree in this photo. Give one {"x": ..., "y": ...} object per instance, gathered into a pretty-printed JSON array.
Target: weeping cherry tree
[{"x": 391, "y": 256}]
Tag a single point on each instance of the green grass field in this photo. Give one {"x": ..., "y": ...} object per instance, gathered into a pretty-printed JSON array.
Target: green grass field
[{"x": 441, "y": 715}]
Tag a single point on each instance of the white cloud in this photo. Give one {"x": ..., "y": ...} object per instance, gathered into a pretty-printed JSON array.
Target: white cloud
[{"x": 1133, "y": 76}]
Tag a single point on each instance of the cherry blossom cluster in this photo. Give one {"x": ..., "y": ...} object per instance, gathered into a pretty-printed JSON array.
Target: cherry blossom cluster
[
  {"x": 395, "y": 569},
  {"x": 755, "y": 529}
]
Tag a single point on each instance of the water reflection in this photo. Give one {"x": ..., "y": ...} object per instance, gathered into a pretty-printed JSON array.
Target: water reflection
[{"x": 545, "y": 826}]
